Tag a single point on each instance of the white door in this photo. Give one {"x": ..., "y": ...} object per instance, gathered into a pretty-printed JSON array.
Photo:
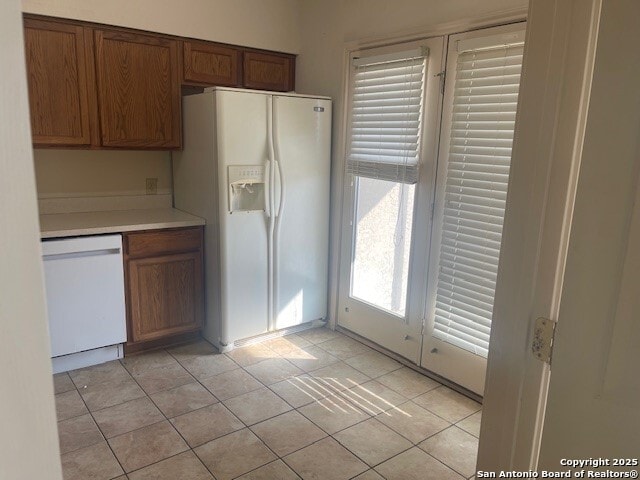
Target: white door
[
  {"x": 573, "y": 245},
  {"x": 242, "y": 119},
  {"x": 302, "y": 144},
  {"x": 481, "y": 93},
  {"x": 394, "y": 105},
  {"x": 594, "y": 392}
]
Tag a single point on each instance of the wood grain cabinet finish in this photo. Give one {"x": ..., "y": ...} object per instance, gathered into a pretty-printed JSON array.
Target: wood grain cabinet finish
[
  {"x": 269, "y": 71},
  {"x": 57, "y": 78},
  {"x": 138, "y": 90},
  {"x": 165, "y": 289},
  {"x": 207, "y": 64}
]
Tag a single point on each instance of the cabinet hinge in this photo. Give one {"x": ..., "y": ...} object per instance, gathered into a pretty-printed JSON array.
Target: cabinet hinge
[
  {"x": 543, "y": 336},
  {"x": 433, "y": 207}
]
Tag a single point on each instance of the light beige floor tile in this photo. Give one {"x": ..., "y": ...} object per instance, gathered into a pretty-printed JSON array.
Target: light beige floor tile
[
  {"x": 319, "y": 335},
  {"x": 277, "y": 470},
  {"x": 327, "y": 460},
  {"x": 127, "y": 416},
  {"x": 333, "y": 414},
  {"x": 372, "y": 441},
  {"x": 413, "y": 422},
  {"x": 286, "y": 344},
  {"x": 183, "y": 399},
  {"x": 234, "y": 454},
  {"x": 339, "y": 376},
  {"x": 95, "y": 462},
  {"x": 249, "y": 355},
  {"x": 299, "y": 391},
  {"x": 162, "y": 378},
  {"x": 192, "y": 350},
  {"x": 69, "y": 405},
  {"x": 287, "y": 432},
  {"x": 273, "y": 370},
  {"x": 344, "y": 347},
  {"x": 415, "y": 464},
  {"x": 108, "y": 372},
  {"x": 183, "y": 466},
  {"x": 373, "y": 397},
  {"x": 205, "y": 424},
  {"x": 448, "y": 404},
  {"x": 102, "y": 395},
  {"x": 373, "y": 364},
  {"x": 148, "y": 361},
  {"x": 311, "y": 358},
  {"x": 455, "y": 448},
  {"x": 77, "y": 433},
  {"x": 369, "y": 475},
  {"x": 231, "y": 384},
  {"x": 407, "y": 382},
  {"x": 147, "y": 445},
  {"x": 256, "y": 406},
  {"x": 62, "y": 383},
  {"x": 208, "y": 365},
  {"x": 471, "y": 424}
]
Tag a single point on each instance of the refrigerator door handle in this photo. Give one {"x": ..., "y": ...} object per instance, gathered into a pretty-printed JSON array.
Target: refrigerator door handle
[
  {"x": 267, "y": 188},
  {"x": 281, "y": 190}
]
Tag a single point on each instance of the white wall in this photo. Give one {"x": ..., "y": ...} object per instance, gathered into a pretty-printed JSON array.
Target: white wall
[
  {"x": 331, "y": 26},
  {"x": 29, "y": 441},
  {"x": 99, "y": 172},
  {"x": 272, "y": 25}
]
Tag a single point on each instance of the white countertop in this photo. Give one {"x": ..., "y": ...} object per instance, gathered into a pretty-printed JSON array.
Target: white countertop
[{"x": 114, "y": 221}]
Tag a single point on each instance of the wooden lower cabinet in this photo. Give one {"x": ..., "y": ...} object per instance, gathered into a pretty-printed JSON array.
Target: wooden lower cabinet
[{"x": 165, "y": 286}]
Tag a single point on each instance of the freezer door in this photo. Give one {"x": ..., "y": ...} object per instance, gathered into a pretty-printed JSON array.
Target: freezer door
[
  {"x": 302, "y": 128},
  {"x": 242, "y": 140}
]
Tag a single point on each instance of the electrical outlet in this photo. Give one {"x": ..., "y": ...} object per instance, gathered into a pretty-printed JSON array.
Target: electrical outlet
[{"x": 152, "y": 186}]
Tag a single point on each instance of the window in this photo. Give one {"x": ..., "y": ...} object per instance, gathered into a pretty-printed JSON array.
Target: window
[{"x": 383, "y": 158}]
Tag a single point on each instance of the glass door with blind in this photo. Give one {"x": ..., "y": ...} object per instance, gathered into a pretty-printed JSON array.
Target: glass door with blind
[
  {"x": 478, "y": 117},
  {"x": 394, "y": 109}
]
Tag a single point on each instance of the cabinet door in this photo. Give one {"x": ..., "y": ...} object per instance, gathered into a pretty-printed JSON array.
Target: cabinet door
[
  {"x": 138, "y": 90},
  {"x": 210, "y": 64},
  {"x": 269, "y": 71},
  {"x": 165, "y": 295},
  {"x": 57, "y": 78}
]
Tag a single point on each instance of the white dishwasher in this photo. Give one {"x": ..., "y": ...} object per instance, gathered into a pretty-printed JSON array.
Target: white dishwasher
[{"x": 84, "y": 283}]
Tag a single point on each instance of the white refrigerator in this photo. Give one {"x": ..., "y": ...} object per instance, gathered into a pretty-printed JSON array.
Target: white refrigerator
[{"x": 256, "y": 166}]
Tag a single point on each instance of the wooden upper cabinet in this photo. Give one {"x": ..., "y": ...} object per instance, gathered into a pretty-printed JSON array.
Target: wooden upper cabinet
[
  {"x": 138, "y": 90},
  {"x": 207, "y": 64},
  {"x": 57, "y": 78},
  {"x": 269, "y": 71}
]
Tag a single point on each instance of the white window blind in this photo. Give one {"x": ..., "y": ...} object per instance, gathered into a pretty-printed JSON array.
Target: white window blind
[
  {"x": 485, "y": 96},
  {"x": 386, "y": 111}
]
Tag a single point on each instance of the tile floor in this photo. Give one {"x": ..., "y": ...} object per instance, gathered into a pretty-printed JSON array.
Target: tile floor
[{"x": 316, "y": 405}]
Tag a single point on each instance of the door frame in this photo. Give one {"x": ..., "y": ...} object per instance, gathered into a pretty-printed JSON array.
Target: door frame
[{"x": 555, "y": 88}]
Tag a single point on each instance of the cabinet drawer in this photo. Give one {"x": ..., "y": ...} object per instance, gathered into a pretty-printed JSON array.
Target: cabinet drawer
[
  {"x": 210, "y": 64},
  {"x": 147, "y": 244}
]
